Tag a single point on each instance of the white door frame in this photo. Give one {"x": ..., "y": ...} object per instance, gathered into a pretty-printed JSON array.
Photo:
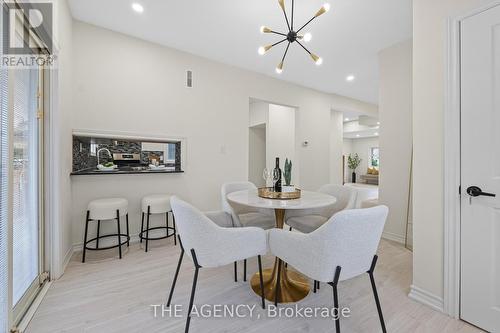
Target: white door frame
[{"x": 451, "y": 294}]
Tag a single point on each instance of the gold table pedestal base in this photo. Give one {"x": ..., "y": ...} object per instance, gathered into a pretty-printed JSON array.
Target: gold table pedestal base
[{"x": 293, "y": 285}]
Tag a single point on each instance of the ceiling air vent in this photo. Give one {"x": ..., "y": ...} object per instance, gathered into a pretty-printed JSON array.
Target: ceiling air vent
[{"x": 189, "y": 79}]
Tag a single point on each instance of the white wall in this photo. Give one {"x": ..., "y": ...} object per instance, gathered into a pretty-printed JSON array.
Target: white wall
[
  {"x": 125, "y": 84},
  {"x": 257, "y": 154},
  {"x": 336, "y": 146},
  {"x": 429, "y": 53},
  {"x": 280, "y": 138},
  {"x": 395, "y": 107}
]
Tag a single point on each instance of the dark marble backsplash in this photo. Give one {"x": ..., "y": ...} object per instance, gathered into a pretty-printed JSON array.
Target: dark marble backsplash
[{"x": 85, "y": 149}]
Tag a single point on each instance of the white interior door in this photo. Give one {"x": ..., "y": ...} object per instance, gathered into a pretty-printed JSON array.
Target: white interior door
[{"x": 480, "y": 167}]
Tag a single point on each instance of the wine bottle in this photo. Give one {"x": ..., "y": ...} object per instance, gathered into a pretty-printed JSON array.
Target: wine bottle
[{"x": 277, "y": 175}]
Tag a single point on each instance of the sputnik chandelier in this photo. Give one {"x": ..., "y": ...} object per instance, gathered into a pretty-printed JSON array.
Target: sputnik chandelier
[{"x": 292, "y": 35}]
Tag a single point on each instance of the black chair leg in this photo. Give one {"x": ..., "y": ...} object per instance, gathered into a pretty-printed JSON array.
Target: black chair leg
[
  {"x": 261, "y": 283},
  {"x": 314, "y": 290},
  {"x": 276, "y": 296},
  {"x": 175, "y": 276},
  {"x": 336, "y": 298},
  {"x": 98, "y": 234},
  {"x": 147, "y": 227},
  {"x": 375, "y": 294},
  {"x": 166, "y": 222},
  {"x": 119, "y": 233},
  {"x": 142, "y": 227},
  {"x": 245, "y": 270},
  {"x": 175, "y": 230},
  {"x": 235, "y": 271},
  {"x": 193, "y": 290},
  {"x": 290, "y": 229},
  {"x": 85, "y": 235},
  {"x": 128, "y": 232}
]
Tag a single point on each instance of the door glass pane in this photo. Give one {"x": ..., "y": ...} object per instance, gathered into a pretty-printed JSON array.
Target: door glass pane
[
  {"x": 4, "y": 152},
  {"x": 25, "y": 182}
]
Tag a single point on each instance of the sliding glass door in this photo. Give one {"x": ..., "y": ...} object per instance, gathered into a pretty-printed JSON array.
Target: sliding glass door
[
  {"x": 21, "y": 190},
  {"x": 26, "y": 164}
]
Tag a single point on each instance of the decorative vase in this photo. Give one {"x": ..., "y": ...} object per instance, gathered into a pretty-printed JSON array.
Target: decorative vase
[{"x": 354, "y": 177}]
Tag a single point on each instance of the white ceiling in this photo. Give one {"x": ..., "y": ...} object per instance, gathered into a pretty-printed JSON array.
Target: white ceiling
[{"x": 348, "y": 37}]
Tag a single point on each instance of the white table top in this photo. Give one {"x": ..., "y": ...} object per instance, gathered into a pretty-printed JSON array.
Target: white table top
[{"x": 308, "y": 199}]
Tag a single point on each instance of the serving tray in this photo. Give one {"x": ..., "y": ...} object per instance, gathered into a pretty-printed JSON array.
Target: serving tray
[{"x": 269, "y": 193}]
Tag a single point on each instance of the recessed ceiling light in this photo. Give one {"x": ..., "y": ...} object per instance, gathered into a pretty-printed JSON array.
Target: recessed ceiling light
[
  {"x": 137, "y": 7},
  {"x": 346, "y": 119},
  {"x": 357, "y": 135},
  {"x": 378, "y": 122},
  {"x": 350, "y": 78},
  {"x": 376, "y": 133}
]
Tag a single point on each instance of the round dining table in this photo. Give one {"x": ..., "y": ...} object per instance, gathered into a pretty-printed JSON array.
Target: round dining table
[{"x": 293, "y": 285}]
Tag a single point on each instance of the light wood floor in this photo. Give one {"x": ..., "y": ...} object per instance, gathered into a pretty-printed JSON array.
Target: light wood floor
[{"x": 110, "y": 295}]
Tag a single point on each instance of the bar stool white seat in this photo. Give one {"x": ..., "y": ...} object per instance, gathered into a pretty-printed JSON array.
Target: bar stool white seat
[
  {"x": 156, "y": 204},
  {"x": 101, "y": 210}
]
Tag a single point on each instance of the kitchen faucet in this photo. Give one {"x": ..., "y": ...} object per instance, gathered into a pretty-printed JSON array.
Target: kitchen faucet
[{"x": 105, "y": 149}]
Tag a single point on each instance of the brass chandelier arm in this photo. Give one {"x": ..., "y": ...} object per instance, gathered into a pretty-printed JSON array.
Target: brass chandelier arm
[
  {"x": 286, "y": 18},
  {"x": 304, "y": 47},
  {"x": 286, "y": 51},
  {"x": 302, "y": 27},
  {"x": 277, "y": 33},
  {"x": 279, "y": 42}
]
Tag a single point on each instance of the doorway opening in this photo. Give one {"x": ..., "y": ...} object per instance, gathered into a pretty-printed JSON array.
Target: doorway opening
[{"x": 272, "y": 134}]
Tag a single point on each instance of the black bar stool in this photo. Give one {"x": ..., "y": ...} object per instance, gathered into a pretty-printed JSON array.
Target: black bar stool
[
  {"x": 106, "y": 209},
  {"x": 156, "y": 204}
]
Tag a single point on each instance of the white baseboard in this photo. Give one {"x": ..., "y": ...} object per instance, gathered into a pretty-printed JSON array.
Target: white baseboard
[
  {"x": 427, "y": 298},
  {"x": 393, "y": 237},
  {"x": 66, "y": 261}
]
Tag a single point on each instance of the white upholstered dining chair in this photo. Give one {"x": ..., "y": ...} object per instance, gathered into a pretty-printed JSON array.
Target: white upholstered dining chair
[
  {"x": 210, "y": 245},
  {"x": 340, "y": 249},
  {"x": 244, "y": 216},
  {"x": 308, "y": 220}
]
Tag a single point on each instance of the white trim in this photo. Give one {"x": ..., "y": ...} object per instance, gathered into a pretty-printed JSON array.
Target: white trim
[
  {"x": 54, "y": 223},
  {"x": 125, "y": 135},
  {"x": 393, "y": 237},
  {"x": 451, "y": 282},
  {"x": 451, "y": 260},
  {"x": 67, "y": 259},
  {"x": 23, "y": 324},
  {"x": 422, "y": 296}
]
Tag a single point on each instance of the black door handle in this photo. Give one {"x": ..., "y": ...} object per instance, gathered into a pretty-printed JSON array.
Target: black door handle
[{"x": 475, "y": 191}]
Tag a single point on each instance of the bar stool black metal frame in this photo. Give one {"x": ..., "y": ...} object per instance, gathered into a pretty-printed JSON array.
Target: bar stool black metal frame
[
  {"x": 148, "y": 229},
  {"x": 119, "y": 235}
]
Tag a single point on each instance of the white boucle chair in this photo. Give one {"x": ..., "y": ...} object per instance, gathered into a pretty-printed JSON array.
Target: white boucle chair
[
  {"x": 340, "y": 249},
  {"x": 210, "y": 245},
  {"x": 308, "y": 220},
  {"x": 244, "y": 216}
]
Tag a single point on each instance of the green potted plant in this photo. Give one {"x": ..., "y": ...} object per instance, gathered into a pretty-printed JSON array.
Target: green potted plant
[{"x": 353, "y": 161}]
